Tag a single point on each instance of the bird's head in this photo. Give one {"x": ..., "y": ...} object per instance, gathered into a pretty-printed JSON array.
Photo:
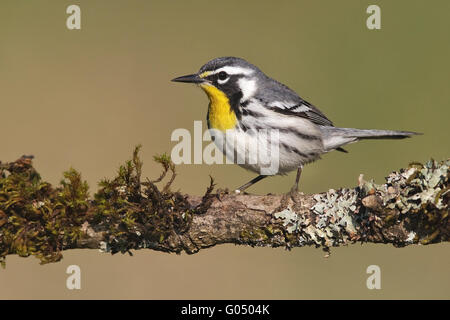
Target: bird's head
[{"x": 232, "y": 77}]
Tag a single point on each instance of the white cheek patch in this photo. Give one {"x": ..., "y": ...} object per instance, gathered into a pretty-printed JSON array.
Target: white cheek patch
[{"x": 248, "y": 88}]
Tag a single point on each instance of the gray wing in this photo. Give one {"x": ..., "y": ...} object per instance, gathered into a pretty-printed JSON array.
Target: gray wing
[
  {"x": 280, "y": 98},
  {"x": 305, "y": 110}
]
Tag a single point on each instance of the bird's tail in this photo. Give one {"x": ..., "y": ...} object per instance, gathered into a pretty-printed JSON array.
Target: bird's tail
[{"x": 334, "y": 138}]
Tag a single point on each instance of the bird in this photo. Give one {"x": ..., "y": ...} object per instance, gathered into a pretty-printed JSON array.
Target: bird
[{"x": 244, "y": 101}]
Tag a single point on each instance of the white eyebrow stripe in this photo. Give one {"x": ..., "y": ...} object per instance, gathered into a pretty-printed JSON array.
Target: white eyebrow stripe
[{"x": 235, "y": 70}]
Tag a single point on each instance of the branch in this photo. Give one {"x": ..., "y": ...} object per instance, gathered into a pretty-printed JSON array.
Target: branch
[{"x": 126, "y": 214}]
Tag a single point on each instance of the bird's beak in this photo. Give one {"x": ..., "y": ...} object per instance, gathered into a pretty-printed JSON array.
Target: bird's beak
[{"x": 191, "y": 78}]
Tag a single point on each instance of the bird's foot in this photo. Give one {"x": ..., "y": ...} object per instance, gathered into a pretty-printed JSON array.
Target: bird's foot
[
  {"x": 221, "y": 192},
  {"x": 294, "y": 193},
  {"x": 237, "y": 191}
]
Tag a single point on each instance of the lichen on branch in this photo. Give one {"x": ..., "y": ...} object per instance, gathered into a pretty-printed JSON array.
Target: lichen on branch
[
  {"x": 129, "y": 213},
  {"x": 411, "y": 207}
]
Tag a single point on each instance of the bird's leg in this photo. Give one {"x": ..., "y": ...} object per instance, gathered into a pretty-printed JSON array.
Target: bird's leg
[
  {"x": 250, "y": 183},
  {"x": 294, "y": 188}
]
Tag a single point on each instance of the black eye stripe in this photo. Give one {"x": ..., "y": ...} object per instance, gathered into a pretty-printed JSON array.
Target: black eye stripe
[{"x": 222, "y": 75}]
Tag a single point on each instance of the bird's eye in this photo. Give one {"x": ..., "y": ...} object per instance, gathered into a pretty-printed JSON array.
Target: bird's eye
[{"x": 222, "y": 75}]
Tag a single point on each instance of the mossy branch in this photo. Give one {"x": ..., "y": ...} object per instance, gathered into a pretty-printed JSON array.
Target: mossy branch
[{"x": 127, "y": 214}]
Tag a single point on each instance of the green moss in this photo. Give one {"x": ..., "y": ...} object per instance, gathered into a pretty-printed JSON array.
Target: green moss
[
  {"x": 35, "y": 218},
  {"x": 38, "y": 219},
  {"x": 135, "y": 214},
  {"x": 390, "y": 219},
  {"x": 41, "y": 220},
  {"x": 430, "y": 238},
  {"x": 259, "y": 235}
]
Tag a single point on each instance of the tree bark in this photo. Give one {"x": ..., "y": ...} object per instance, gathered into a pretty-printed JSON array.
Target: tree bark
[{"x": 412, "y": 207}]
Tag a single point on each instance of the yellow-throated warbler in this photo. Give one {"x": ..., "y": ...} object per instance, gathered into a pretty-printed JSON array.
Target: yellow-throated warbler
[{"x": 244, "y": 100}]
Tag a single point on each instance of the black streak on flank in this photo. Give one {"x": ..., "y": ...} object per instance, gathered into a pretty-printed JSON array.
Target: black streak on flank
[
  {"x": 251, "y": 113},
  {"x": 245, "y": 103},
  {"x": 243, "y": 127},
  {"x": 299, "y": 134},
  {"x": 235, "y": 100},
  {"x": 293, "y": 149}
]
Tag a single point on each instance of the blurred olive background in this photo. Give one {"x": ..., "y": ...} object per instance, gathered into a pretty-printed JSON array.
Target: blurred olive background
[{"x": 85, "y": 98}]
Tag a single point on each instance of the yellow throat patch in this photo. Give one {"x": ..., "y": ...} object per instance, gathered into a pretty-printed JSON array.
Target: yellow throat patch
[{"x": 221, "y": 116}]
